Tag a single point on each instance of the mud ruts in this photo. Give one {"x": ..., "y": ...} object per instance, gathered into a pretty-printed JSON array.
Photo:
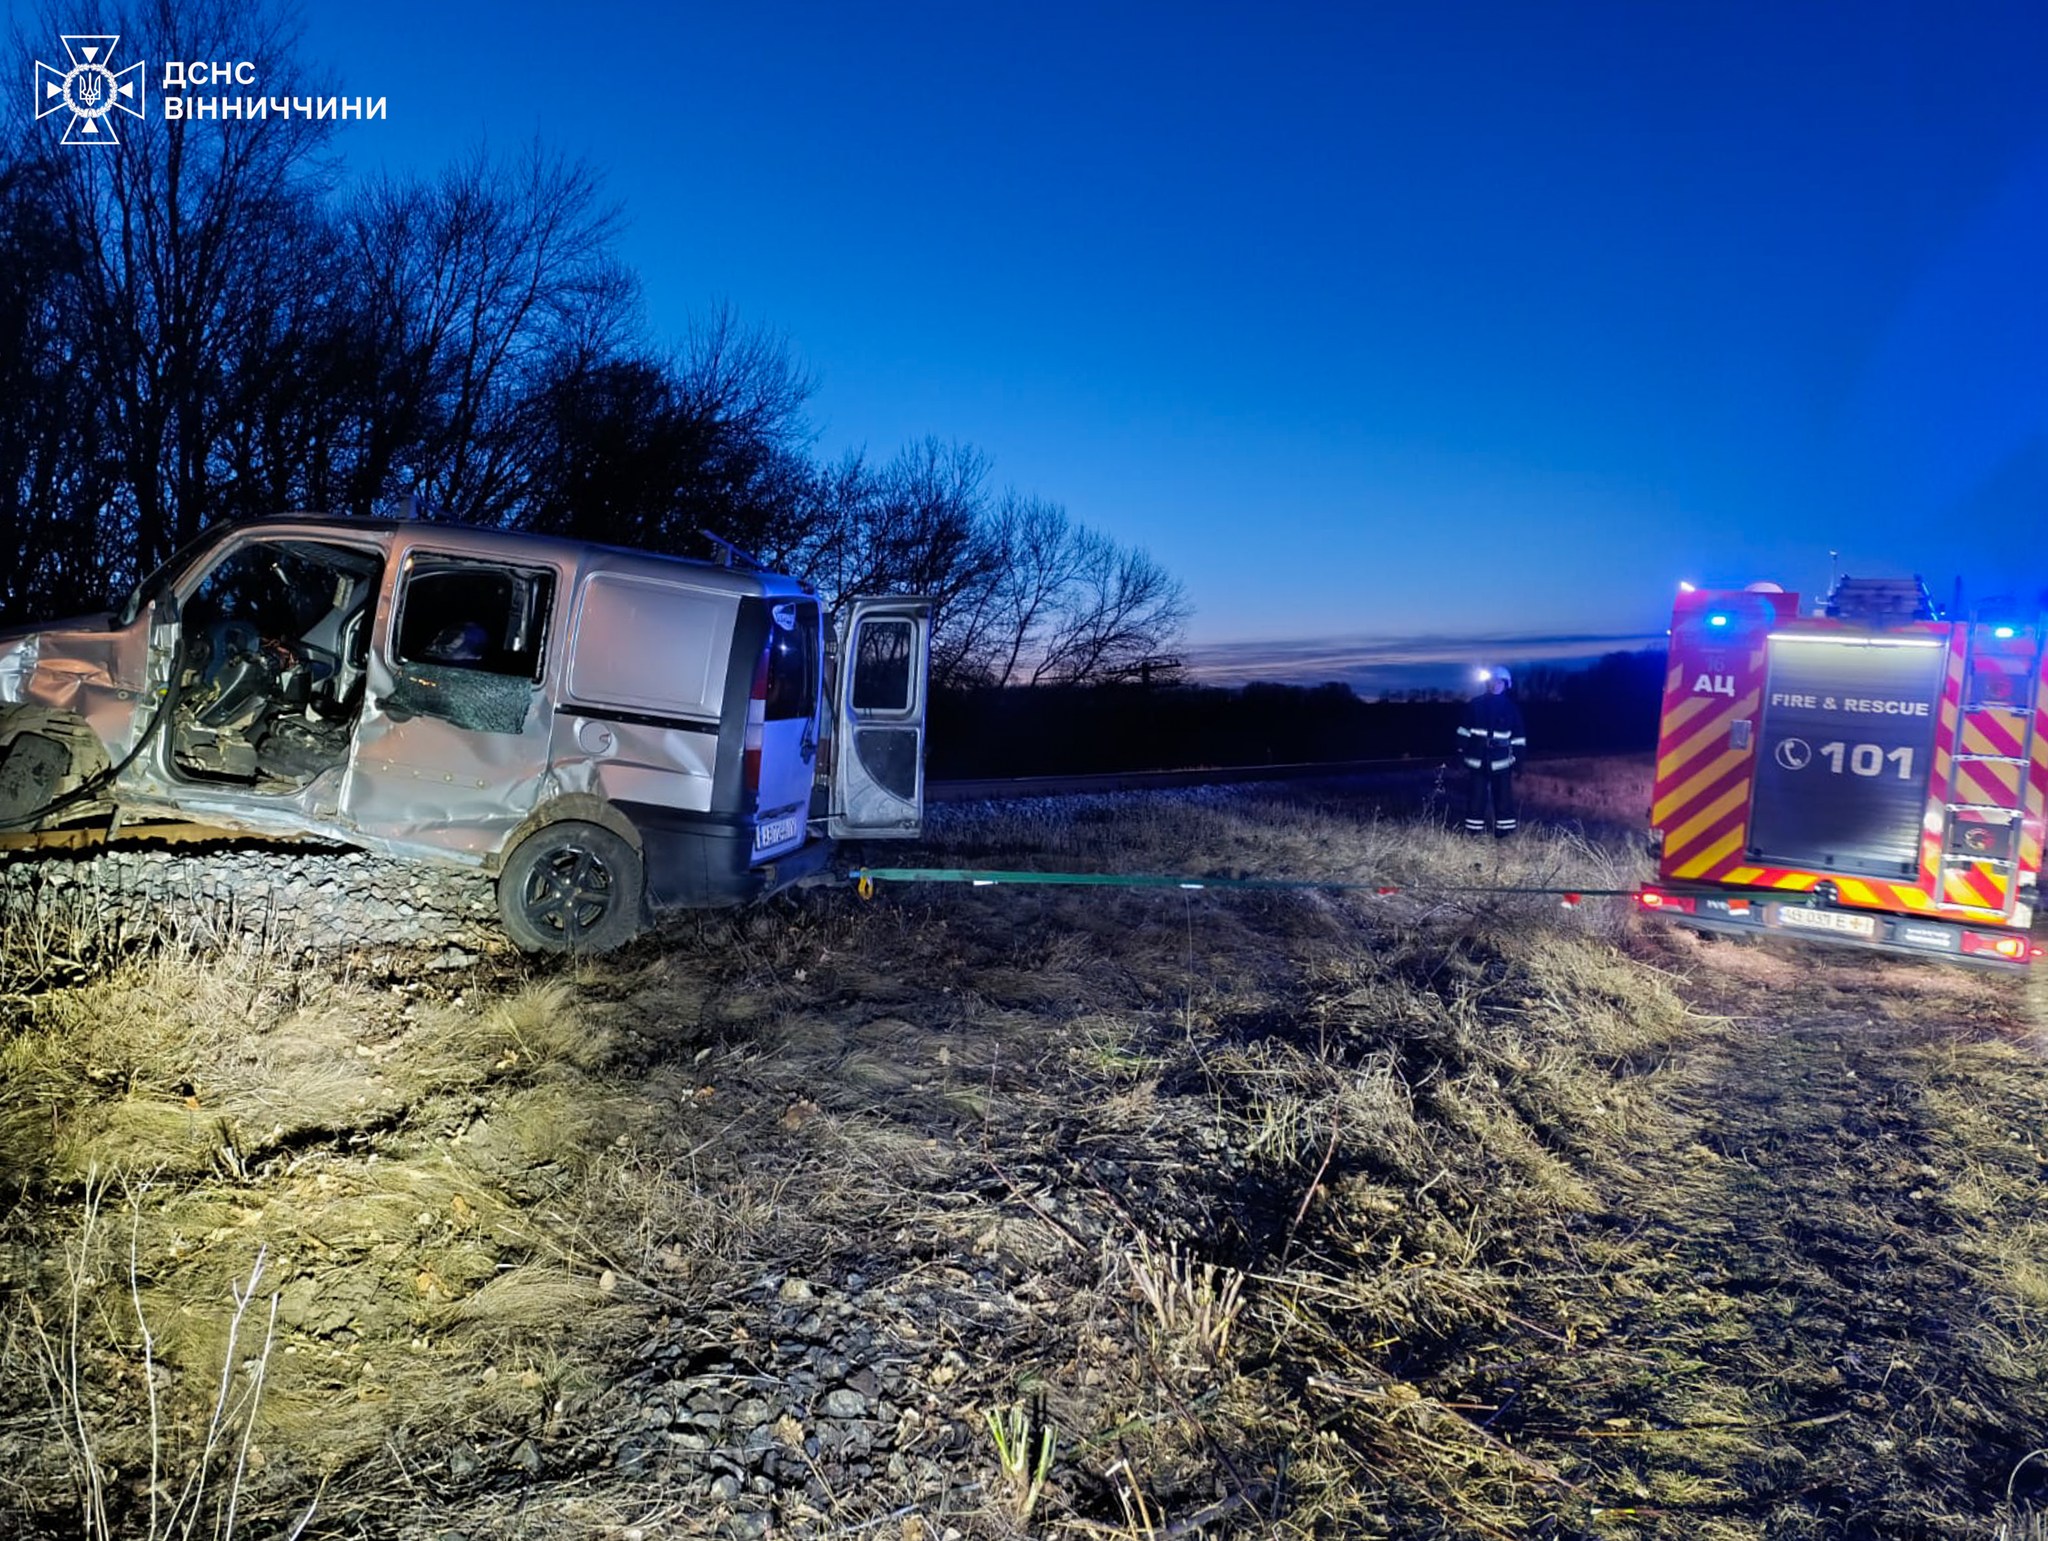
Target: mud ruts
[{"x": 321, "y": 901}]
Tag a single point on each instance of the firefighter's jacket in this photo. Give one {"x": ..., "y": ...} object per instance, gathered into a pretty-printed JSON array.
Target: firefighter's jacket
[{"x": 1491, "y": 737}]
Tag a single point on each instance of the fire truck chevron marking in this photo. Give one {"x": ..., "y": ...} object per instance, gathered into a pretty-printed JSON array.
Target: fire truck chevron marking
[
  {"x": 1671, "y": 757},
  {"x": 1711, "y": 814},
  {"x": 1677, "y": 802},
  {"x": 1702, "y": 864},
  {"x": 1671, "y": 760},
  {"x": 1992, "y": 733},
  {"x": 2035, "y": 816},
  {"x": 1691, "y": 707},
  {"x": 1989, "y": 781},
  {"x": 1977, "y": 885}
]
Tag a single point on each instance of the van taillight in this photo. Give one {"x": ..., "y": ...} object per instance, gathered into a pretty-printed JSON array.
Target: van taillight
[{"x": 757, "y": 723}]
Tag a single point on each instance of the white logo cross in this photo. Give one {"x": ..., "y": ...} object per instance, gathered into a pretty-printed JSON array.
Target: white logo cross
[{"x": 91, "y": 88}]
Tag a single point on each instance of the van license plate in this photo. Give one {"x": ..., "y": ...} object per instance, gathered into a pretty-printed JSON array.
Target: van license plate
[
  {"x": 1837, "y": 921},
  {"x": 775, "y": 832}
]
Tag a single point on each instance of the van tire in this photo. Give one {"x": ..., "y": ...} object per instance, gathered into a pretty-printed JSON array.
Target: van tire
[
  {"x": 45, "y": 755},
  {"x": 572, "y": 887}
]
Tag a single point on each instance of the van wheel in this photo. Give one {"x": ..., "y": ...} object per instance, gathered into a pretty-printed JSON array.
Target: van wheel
[
  {"x": 44, "y": 755},
  {"x": 571, "y": 887},
  {"x": 33, "y": 773}
]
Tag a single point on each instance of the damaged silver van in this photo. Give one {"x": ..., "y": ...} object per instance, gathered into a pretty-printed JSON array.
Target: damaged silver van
[{"x": 605, "y": 731}]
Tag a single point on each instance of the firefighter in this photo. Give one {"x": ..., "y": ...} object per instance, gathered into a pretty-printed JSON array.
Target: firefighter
[{"x": 1491, "y": 739}]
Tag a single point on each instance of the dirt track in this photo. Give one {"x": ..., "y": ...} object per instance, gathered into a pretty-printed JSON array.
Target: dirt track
[{"x": 1823, "y": 1235}]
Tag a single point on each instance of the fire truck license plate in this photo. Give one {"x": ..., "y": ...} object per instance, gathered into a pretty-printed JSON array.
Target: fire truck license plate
[{"x": 1826, "y": 920}]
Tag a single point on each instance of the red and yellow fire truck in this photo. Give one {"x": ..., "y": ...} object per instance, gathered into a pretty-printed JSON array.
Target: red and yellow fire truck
[{"x": 1873, "y": 774}]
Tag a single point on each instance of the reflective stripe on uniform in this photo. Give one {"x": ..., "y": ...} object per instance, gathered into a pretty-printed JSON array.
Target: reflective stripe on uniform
[
  {"x": 1472, "y": 760},
  {"x": 1503, "y": 764}
]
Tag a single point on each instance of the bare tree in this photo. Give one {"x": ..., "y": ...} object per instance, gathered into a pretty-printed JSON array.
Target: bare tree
[
  {"x": 1041, "y": 553},
  {"x": 480, "y": 287},
  {"x": 1119, "y": 607},
  {"x": 56, "y": 474},
  {"x": 186, "y": 235},
  {"x": 1020, "y": 593},
  {"x": 919, "y": 524},
  {"x": 649, "y": 451},
  {"x": 909, "y": 526},
  {"x": 196, "y": 323},
  {"x": 826, "y": 541},
  {"x": 740, "y": 400}
]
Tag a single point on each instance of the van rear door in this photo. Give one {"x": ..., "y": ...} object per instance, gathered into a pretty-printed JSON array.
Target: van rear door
[
  {"x": 878, "y": 719},
  {"x": 783, "y": 742}
]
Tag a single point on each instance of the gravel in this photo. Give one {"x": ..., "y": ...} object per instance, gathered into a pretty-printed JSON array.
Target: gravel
[{"x": 299, "y": 901}]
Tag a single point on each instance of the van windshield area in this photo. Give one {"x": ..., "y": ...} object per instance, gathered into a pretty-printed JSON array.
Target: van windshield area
[
  {"x": 271, "y": 669},
  {"x": 470, "y": 641}
]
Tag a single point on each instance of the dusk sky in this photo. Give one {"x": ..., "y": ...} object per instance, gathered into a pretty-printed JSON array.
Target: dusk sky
[{"x": 1375, "y": 321}]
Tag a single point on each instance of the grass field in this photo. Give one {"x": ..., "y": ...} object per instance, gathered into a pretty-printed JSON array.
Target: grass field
[{"x": 1038, "y": 1211}]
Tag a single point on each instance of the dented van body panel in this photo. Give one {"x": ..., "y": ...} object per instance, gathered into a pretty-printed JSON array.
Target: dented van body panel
[
  {"x": 84, "y": 666},
  {"x": 447, "y": 694}
]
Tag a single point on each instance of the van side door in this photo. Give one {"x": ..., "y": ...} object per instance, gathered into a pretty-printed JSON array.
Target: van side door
[
  {"x": 452, "y": 745},
  {"x": 877, "y": 786}
]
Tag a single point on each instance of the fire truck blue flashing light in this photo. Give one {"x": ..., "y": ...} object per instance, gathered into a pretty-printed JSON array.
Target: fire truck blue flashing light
[
  {"x": 2002, "y": 633},
  {"x": 1718, "y": 618},
  {"x": 1686, "y": 588}
]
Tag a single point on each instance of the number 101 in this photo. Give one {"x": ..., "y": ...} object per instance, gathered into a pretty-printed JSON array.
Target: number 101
[{"x": 1867, "y": 759}]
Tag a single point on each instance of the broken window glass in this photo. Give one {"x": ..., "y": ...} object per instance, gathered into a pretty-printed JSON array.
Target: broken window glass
[{"x": 471, "y": 642}]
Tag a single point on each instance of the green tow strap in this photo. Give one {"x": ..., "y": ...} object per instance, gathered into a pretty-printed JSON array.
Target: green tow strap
[{"x": 865, "y": 878}]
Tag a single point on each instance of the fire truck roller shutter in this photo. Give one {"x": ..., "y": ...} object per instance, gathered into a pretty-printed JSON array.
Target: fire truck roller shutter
[{"x": 1846, "y": 754}]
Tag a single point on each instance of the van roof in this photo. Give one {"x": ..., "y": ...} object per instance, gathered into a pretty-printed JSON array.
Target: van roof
[{"x": 479, "y": 540}]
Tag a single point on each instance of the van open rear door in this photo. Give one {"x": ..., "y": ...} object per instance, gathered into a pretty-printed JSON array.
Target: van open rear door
[{"x": 878, "y": 719}]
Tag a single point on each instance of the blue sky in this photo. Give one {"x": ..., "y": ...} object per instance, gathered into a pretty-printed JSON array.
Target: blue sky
[{"x": 1370, "y": 321}]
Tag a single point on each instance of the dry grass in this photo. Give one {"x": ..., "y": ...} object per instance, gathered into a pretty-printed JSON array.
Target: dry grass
[{"x": 1148, "y": 1212}]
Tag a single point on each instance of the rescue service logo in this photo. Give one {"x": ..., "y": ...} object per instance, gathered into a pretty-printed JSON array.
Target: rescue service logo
[
  {"x": 229, "y": 91},
  {"x": 91, "y": 89}
]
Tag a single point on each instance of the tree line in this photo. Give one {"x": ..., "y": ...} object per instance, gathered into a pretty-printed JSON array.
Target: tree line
[
  {"x": 212, "y": 321},
  {"x": 1611, "y": 705}
]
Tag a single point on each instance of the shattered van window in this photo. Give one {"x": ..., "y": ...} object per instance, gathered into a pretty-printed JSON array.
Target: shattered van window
[
  {"x": 471, "y": 642},
  {"x": 475, "y": 614},
  {"x": 468, "y": 698}
]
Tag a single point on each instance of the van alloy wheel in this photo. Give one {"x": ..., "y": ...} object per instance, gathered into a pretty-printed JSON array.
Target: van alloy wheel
[{"x": 572, "y": 887}]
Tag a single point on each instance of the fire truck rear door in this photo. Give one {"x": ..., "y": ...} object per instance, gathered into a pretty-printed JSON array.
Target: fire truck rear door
[{"x": 1846, "y": 753}]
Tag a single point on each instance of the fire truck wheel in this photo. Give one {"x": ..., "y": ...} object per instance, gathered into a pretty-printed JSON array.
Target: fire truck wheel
[{"x": 572, "y": 887}]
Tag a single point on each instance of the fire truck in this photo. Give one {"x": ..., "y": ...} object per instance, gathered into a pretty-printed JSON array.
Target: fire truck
[{"x": 1870, "y": 772}]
